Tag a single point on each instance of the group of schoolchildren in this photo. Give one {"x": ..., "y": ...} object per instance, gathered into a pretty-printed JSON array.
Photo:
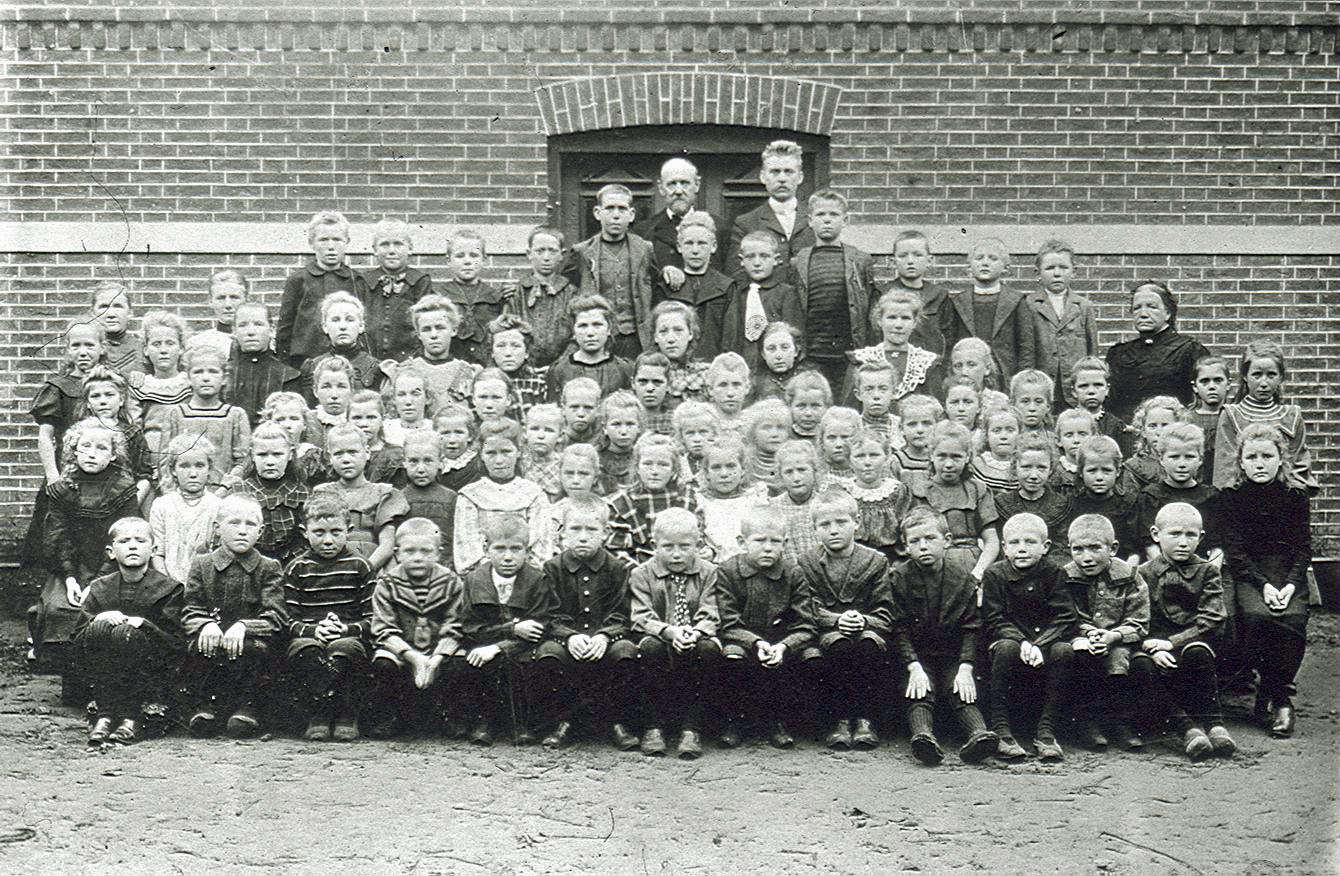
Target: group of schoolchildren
[{"x": 599, "y": 498}]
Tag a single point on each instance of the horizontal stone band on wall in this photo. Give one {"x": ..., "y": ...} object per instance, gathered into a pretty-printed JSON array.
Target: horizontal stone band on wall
[
  {"x": 265, "y": 238},
  {"x": 661, "y": 30}
]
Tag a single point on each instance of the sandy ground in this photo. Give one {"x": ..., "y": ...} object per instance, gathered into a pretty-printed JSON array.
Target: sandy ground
[{"x": 179, "y": 805}]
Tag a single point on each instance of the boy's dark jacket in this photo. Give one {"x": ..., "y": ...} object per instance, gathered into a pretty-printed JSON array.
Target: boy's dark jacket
[
  {"x": 484, "y": 621},
  {"x": 590, "y": 596},
  {"x": 1011, "y": 336},
  {"x": 431, "y": 625},
  {"x": 935, "y": 611},
  {"x": 773, "y": 605},
  {"x": 298, "y": 334},
  {"x": 865, "y": 589},
  {"x": 156, "y": 598},
  {"x": 1028, "y": 605},
  {"x": 215, "y": 595},
  {"x": 1186, "y": 601},
  {"x": 861, "y": 289}
]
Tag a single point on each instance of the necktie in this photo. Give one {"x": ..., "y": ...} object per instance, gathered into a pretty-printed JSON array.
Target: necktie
[
  {"x": 755, "y": 318},
  {"x": 680, "y": 611}
]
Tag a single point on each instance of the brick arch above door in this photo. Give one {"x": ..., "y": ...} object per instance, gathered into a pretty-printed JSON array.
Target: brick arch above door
[{"x": 671, "y": 98}]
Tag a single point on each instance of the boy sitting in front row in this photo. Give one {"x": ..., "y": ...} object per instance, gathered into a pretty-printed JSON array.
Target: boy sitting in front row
[
  {"x": 936, "y": 623},
  {"x": 1030, "y": 620},
  {"x": 328, "y": 596},
  {"x": 674, "y": 611},
  {"x": 234, "y": 606},
  {"x": 1186, "y": 617},
  {"x": 505, "y": 616},
  {"x": 766, "y": 621},
  {"x": 590, "y": 621},
  {"x": 853, "y": 612},
  {"x": 127, "y": 634},
  {"x": 416, "y": 625},
  {"x": 1112, "y": 604}
]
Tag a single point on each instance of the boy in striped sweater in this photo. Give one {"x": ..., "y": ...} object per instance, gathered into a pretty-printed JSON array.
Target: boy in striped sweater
[{"x": 328, "y": 601}]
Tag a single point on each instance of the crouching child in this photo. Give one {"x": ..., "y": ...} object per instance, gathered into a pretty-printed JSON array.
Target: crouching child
[
  {"x": 416, "y": 626},
  {"x": 766, "y": 622},
  {"x": 673, "y": 606},
  {"x": 590, "y": 622},
  {"x": 128, "y": 636},
  {"x": 508, "y": 606},
  {"x": 234, "y": 607},
  {"x": 1186, "y": 618},
  {"x": 1112, "y": 605},
  {"x": 328, "y": 599},
  {"x": 936, "y": 628}
]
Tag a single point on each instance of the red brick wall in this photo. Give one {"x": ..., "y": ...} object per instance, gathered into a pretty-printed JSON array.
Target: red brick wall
[{"x": 1125, "y": 114}]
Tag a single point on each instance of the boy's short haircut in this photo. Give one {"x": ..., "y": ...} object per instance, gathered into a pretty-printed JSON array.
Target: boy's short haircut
[
  {"x": 108, "y": 286},
  {"x": 651, "y": 359},
  {"x": 583, "y": 303},
  {"x": 364, "y": 396},
  {"x": 327, "y": 218},
  {"x": 909, "y": 297},
  {"x": 416, "y": 437},
  {"x": 782, "y": 149},
  {"x": 996, "y": 243},
  {"x": 500, "y": 427},
  {"x": 389, "y": 227},
  {"x": 912, "y": 234},
  {"x": 346, "y": 430},
  {"x": 334, "y": 362},
  {"x": 1092, "y": 524},
  {"x": 923, "y": 515},
  {"x": 1077, "y": 414},
  {"x": 696, "y": 219},
  {"x": 325, "y": 505},
  {"x": 579, "y": 384},
  {"x": 549, "y": 230},
  {"x": 1027, "y": 522},
  {"x": 672, "y": 306},
  {"x": 497, "y": 527},
  {"x": 1031, "y": 377},
  {"x": 115, "y": 529},
  {"x": 1212, "y": 361},
  {"x": 239, "y": 504},
  {"x": 585, "y": 503},
  {"x": 1183, "y": 433},
  {"x": 806, "y": 381},
  {"x": 418, "y": 527},
  {"x": 1032, "y": 443},
  {"x": 230, "y": 275},
  {"x": 510, "y": 322},
  {"x": 835, "y": 498},
  {"x": 457, "y": 411},
  {"x": 585, "y": 451},
  {"x": 253, "y": 304},
  {"x": 828, "y": 196},
  {"x": 1176, "y": 510},
  {"x": 954, "y": 381},
  {"x": 1054, "y": 247},
  {"x": 620, "y": 400},
  {"x": 693, "y": 410},
  {"x": 552, "y": 412},
  {"x": 919, "y": 402},
  {"x": 755, "y": 517},
  {"x": 434, "y": 303},
  {"x": 796, "y": 447},
  {"x": 672, "y": 521},
  {"x": 1097, "y": 447},
  {"x": 729, "y": 362},
  {"x": 1089, "y": 363},
  {"x": 200, "y": 352},
  {"x": 465, "y": 235},
  {"x": 613, "y": 189},
  {"x": 762, "y": 235}
]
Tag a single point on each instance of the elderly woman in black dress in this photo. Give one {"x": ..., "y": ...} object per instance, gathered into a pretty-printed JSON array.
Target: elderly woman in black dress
[{"x": 1160, "y": 361}]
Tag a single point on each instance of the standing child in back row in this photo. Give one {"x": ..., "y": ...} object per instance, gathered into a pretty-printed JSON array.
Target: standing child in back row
[
  {"x": 1064, "y": 325},
  {"x": 619, "y": 267},
  {"x": 299, "y": 335},
  {"x": 393, "y": 288},
  {"x": 480, "y": 303},
  {"x": 993, "y": 311}
]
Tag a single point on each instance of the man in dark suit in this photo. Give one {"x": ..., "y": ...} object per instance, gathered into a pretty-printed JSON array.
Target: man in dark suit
[
  {"x": 783, "y": 214},
  {"x": 678, "y": 186}
]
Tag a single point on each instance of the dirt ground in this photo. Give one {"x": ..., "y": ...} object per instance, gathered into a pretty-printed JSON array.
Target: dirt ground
[{"x": 422, "y": 807}]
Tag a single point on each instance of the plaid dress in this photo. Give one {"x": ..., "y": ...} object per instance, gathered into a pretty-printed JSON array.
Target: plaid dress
[
  {"x": 633, "y": 510},
  {"x": 528, "y": 389}
]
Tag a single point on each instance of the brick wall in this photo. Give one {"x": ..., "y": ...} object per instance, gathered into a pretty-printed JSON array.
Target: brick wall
[{"x": 1156, "y": 120}]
